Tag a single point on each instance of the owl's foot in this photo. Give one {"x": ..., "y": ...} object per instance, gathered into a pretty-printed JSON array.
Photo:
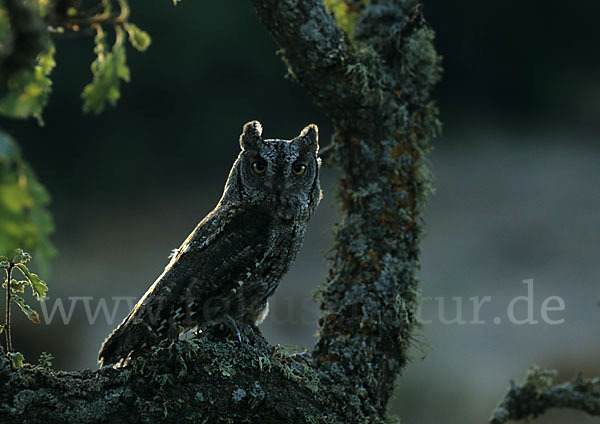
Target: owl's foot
[
  {"x": 244, "y": 332},
  {"x": 252, "y": 333}
]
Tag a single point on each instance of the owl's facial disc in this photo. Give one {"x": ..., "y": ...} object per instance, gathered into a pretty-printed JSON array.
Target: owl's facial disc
[{"x": 279, "y": 175}]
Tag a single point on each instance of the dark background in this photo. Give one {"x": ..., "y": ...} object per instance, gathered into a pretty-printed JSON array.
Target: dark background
[{"x": 517, "y": 180}]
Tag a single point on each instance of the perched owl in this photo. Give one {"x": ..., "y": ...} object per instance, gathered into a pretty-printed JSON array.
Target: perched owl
[{"x": 233, "y": 260}]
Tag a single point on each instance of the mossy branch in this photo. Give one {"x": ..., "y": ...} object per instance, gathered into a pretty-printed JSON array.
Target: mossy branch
[
  {"x": 538, "y": 393},
  {"x": 375, "y": 87},
  {"x": 212, "y": 379}
]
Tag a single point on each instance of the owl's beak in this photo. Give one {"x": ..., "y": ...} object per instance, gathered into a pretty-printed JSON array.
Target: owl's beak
[{"x": 278, "y": 188}]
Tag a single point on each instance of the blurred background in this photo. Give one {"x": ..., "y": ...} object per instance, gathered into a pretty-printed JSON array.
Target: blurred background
[{"x": 517, "y": 179}]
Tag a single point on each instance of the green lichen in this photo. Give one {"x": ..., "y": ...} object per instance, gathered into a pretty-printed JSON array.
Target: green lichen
[
  {"x": 238, "y": 395},
  {"x": 262, "y": 362},
  {"x": 539, "y": 379},
  {"x": 372, "y": 285},
  {"x": 346, "y": 12},
  {"x": 294, "y": 369}
]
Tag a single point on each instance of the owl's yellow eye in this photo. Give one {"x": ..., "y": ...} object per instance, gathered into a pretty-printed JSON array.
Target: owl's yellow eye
[
  {"x": 299, "y": 168},
  {"x": 259, "y": 167}
]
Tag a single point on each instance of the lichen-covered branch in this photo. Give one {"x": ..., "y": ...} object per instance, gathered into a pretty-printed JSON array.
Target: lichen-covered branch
[
  {"x": 211, "y": 379},
  {"x": 376, "y": 90},
  {"x": 537, "y": 394}
]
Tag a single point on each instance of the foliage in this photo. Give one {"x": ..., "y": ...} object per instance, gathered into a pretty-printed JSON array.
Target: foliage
[
  {"x": 24, "y": 219},
  {"x": 16, "y": 359},
  {"x": 38, "y": 287},
  {"x": 346, "y": 12},
  {"x": 12, "y": 287},
  {"x": 109, "y": 68},
  {"x": 26, "y": 61},
  {"x": 138, "y": 38},
  {"x": 28, "y": 89}
]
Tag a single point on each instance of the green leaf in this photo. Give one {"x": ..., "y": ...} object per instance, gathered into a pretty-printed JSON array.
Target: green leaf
[
  {"x": 138, "y": 38},
  {"x": 16, "y": 359},
  {"x": 38, "y": 287},
  {"x": 1, "y": 328},
  {"x": 29, "y": 89},
  {"x": 24, "y": 220},
  {"x": 23, "y": 268},
  {"x": 21, "y": 256},
  {"x": 108, "y": 70},
  {"x": 27, "y": 310},
  {"x": 45, "y": 360},
  {"x": 18, "y": 286}
]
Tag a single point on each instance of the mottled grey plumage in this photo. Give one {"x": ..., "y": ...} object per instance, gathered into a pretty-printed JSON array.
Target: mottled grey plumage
[{"x": 233, "y": 261}]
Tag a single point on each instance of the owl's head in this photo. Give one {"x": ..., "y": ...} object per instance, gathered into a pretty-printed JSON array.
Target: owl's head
[{"x": 282, "y": 175}]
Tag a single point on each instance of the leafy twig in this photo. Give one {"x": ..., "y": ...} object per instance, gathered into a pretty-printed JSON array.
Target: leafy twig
[
  {"x": 38, "y": 288},
  {"x": 24, "y": 93}
]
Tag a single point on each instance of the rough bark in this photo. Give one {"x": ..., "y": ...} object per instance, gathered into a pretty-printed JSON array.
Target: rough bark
[
  {"x": 376, "y": 91},
  {"x": 375, "y": 88},
  {"x": 211, "y": 379}
]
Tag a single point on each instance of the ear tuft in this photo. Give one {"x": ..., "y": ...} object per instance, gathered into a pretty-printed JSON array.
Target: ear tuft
[
  {"x": 310, "y": 136},
  {"x": 251, "y": 135}
]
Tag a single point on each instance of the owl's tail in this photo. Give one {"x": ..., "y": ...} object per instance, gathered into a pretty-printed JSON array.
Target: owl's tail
[
  {"x": 125, "y": 340},
  {"x": 111, "y": 351}
]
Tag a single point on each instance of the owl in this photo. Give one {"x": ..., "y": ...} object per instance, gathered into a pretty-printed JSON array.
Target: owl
[{"x": 233, "y": 261}]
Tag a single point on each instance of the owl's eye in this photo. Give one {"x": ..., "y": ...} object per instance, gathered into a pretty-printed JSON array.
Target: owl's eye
[
  {"x": 298, "y": 168},
  {"x": 259, "y": 167}
]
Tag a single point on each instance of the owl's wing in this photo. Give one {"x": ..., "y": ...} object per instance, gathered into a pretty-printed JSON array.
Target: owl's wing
[{"x": 223, "y": 248}]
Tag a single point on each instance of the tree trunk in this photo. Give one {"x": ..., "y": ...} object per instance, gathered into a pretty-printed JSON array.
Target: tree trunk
[{"x": 375, "y": 88}]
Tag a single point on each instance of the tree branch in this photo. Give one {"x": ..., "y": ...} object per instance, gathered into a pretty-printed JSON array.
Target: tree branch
[
  {"x": 537, "y": 394},
  {"x": 376, "y": 91},
  {"x": 315, "y": 48},
  {"x": 208, "y": 379}
]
